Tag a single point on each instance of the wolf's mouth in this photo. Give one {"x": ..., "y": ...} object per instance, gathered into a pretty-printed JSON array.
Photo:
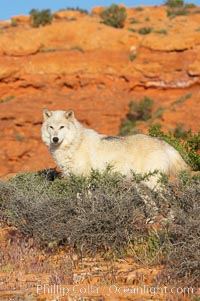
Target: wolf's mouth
[{"x": 56, "y": 143}]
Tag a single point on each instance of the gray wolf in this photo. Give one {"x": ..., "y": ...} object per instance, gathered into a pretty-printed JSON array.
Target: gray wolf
[{"x": 77, "y": 149}]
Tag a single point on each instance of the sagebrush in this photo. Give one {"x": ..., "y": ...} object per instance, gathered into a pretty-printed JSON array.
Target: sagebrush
[{"x": 105, "y": 211}]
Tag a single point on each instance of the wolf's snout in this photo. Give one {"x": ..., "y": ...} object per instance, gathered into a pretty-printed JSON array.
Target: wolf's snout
[{"x": 55, "y": 139}]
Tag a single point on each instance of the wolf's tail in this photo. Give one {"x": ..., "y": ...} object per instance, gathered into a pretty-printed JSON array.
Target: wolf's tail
[{"x": 177, "y": 163}]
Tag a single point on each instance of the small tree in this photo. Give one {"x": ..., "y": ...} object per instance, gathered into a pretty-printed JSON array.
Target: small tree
[
  {"x": 175, "y": 3},
  {"x": 138, "y": 111},
  {"x": 114, "y": 16},
  {"x": 141, "y": 110},
  {"x": 40, "y": 18}
]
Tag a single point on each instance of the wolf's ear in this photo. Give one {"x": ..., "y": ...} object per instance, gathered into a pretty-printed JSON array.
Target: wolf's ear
[
  {"x": 69, "y": 115},
  {"x": 46, "y": 114}
]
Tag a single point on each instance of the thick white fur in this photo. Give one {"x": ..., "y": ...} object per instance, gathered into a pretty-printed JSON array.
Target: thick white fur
[{"x": 78, "y": 149}]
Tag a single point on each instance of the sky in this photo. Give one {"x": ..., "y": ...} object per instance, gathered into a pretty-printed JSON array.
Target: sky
[{"x": 9, "y": 8}]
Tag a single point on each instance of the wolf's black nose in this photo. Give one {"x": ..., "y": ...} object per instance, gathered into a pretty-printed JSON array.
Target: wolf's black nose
[{"x": 55, "y": 139}]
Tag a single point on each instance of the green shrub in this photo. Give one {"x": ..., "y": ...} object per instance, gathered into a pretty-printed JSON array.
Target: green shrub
[
  {"x": 177, "y": 8},
  {"x": 161, "y": 31},
  {"x": 6, "y": 26},
  {"x": 175, "y": 3},
  {"x": 190, "y": 5},
  {"x": 19, "y": 137},
  {"x": 139, "y": 8},
  {"x": 6, "y": 99},
  {"x": 182, "y": 99},
  {"x": 128, "y": 127},
  {"x": 40, "y": 18},
  {"x": 151, "y": 248},
  {"x": 77, "y": 48},
  {"x": 159, "y": 112},
  {"x": 180, "y": 132},
  {"x": 14, "y": 23},
  {"x": 45, "y": 50},
  {"x": 138, "y": 111},
  {"x": 132, "y": 57},
  {"x": 134, "y": 21},
  {"x": 132, "y": 29},
  {"x": 144, "y": 30},
  {"x": 114, "y": 16},
  {"x": 141, "y": 110},
  {"x": 81, "y": 10},
  {"x": 172, "y": 13}
]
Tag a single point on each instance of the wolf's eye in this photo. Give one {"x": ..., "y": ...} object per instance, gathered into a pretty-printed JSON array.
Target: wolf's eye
[
  {"x": 62, "y": 127},
  {"x": 51, "y": 127}
]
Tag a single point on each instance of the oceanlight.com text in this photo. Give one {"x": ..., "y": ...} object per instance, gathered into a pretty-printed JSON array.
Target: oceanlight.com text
[{"x": 111, "y": 290}]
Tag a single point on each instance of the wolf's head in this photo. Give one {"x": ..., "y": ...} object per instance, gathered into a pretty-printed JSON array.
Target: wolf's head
[{"x": 59, "y": 127}]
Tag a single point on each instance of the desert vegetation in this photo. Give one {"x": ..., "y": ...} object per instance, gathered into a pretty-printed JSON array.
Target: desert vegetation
[
  {"x": 79, "y": 9},
  {"x": 105, "y": 212},
  {"x": 40, "y": 18},
  {"x": 144, "y": 30},
  {"x": 175, "y": 3},
  {"x": 114, "y": 16},
  {"x": 138, "y": 111},
  {"x": 179, "y": 8}
]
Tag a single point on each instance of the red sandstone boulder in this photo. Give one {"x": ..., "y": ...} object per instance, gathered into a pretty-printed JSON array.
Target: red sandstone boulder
[
  {"x": 68, "y": 15},
  {"x": 20, "y": 43},
  {"x": 22, "y": 19}
]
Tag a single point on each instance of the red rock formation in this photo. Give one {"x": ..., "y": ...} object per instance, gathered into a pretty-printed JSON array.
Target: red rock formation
[{"x": 77, "y": 62}]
